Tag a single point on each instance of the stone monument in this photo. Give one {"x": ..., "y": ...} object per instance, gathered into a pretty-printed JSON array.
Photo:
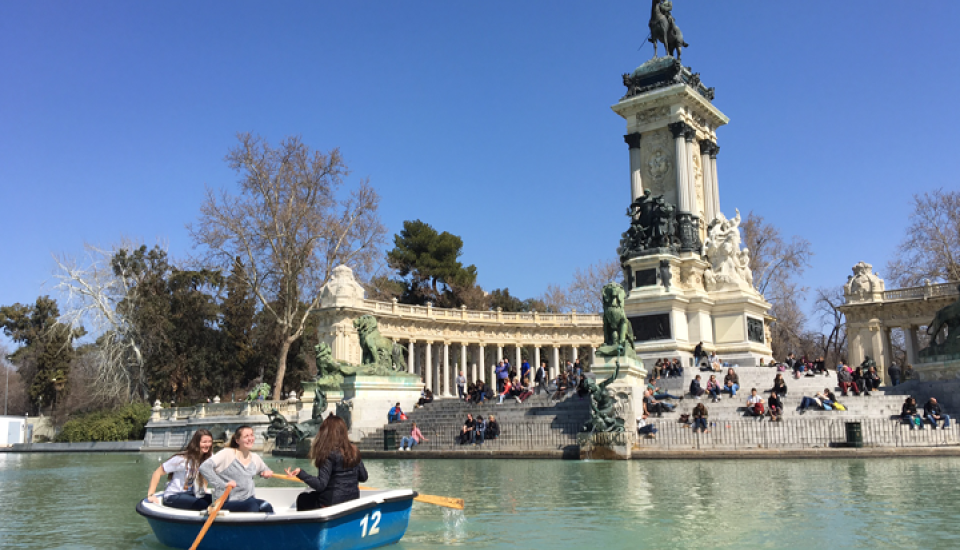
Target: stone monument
[
  {"x": 941, "y": 359},
  {"x": 687, "y": 276},
  {"x": 360, "y": 373}
]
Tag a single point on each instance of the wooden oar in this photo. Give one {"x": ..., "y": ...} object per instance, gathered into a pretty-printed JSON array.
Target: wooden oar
[
  {"x": 455, "y": 503},
  {"x": 213, "y": 516}
]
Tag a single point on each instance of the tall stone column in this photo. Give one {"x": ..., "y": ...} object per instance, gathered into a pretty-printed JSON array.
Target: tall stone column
[
  {"x": 686, "y": 219},
  {"x": 499, "y": 352},
  {"x": 536, "y": 359},
  {"x": 710, "y": 208},
  {"x": 519, "y": 358},
  {"x": 636, "y": 172},
  {"x": 576, "y": 353},
  {"x": 463, "y": 359},
  {"x": 411, "y": 355},
  {"x": 911, "y": 343},
  {"x": 678, "y": 129},
  {"x": 714, "y": 151},
  {"x": 446, "y": 369},
  {"x": 482, "y": 361},
  {"x": 593, "y": 355},
  {"x": 428, "y": 366},
  {"x": 555, "y": 367}
]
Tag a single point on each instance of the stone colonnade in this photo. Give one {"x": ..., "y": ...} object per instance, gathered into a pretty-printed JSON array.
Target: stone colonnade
[
  {"x": 439, "y": 342},
  {"x": 440, "y": 362},
  {"x": 872, "y": 313}
]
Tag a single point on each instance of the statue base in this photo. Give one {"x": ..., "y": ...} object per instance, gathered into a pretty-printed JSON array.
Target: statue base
[
  {"x": 943, "y": 368},
  {"x": 628, "y": 387},
  {"x": 606, "y": 446},
  {"x": 367, "y": 400}
]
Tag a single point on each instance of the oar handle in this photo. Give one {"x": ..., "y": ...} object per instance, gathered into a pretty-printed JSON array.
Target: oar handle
[
  {"x": 213, "y": 516},
  {"x": 447, "y": 502}
]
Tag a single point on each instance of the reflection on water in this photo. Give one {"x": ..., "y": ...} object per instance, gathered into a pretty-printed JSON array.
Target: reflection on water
[{"x": 87, "y": 501}]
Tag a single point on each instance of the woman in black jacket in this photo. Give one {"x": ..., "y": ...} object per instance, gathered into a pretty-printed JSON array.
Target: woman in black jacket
[{"x": 340, "y": 469}]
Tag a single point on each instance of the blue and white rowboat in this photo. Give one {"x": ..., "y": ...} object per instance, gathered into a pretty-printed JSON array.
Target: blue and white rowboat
[{"x": 375, "y": 519}]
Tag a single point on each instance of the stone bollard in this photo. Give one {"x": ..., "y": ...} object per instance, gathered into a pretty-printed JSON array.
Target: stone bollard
[
  {"x": 202, "y": 410},
  {"x": 157, "y": 407},
  {"x": 216, "y": 399}
]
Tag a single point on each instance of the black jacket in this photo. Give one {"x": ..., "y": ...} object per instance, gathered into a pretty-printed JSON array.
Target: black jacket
[
  {"x": 932, "y": 408},
  {"x": 334, "y": 483}
]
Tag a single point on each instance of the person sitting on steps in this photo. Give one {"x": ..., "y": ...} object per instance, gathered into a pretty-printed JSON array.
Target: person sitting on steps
[
  {"x": 933, "y": 413},
  {"x": 775, "y": 406},
  {"x": 755, "y": 404},
  {"x": 493, "y": 429},
  {"x": 714, "y": 388},
  {"x": 696, "y": 390},
  {"x": 408, "y": 442}
]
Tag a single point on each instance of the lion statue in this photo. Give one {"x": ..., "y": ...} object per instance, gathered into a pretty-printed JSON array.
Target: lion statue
[
  {"x": 377, "y": 350},
  {"x": 617, "y": 332}
]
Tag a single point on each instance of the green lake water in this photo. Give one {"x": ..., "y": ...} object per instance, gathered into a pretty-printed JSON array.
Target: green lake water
[{"x": 87, "y": 501}]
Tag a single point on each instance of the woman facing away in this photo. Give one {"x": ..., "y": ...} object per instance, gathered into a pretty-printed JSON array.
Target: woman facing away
[
  {"x": 235, "y": 467},
  {"x": 339, "y": 468},
  {"x": 185, "y": 485}
]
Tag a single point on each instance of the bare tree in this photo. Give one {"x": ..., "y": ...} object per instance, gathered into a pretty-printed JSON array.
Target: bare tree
[
  {"x": 931, "y": 249},
  {"x": 776, "y": 264},
  {"x": 833, "y": 341},
  {"x": 583, "y": 292},
  {"x": 92, "y": 291},
  {"x": 291, "y": 228}
]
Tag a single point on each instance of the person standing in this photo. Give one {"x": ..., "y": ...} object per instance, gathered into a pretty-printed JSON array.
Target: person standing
[
  {"x": 697, "y": 354},
  {"x": 541, "y": 378},
  {"x": 525, "y": 373},
  {"x": 461, "y": 386},
  {"x": 501, "y": 375},
  {"x": 893, "y": 371}
]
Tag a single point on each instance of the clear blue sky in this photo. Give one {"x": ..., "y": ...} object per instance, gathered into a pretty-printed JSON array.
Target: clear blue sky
[{"x": 490, "y": 120}]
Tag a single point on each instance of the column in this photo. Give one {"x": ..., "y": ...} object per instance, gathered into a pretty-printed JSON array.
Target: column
[
  {"x": 536, "y": 361},
  {"x": 519, "y": 360},
  {"x": 555, "y": 367},
  {"x": 446, "y": 369},
  {"x": 576, "y": 353},
  {"x": 463, "y": 360},
  {"x": 636, "y": 177},
  {"x": 428, "y": 366},
  {"x": 473, "y": 368},
  {"x": 713, "y": 176},
  {"x": 593, "y": 356},
  {"x": 482, "y": 361},
  {"x": 410, "y": 355},
  {"x": 684, "y": 201},
  {"x": 709, "y": 209},
  {"x": 499, "y": 353},
  {"x": 689, "y": 135}
]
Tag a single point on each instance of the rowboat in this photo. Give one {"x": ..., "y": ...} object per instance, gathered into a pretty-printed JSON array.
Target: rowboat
[{"x": 377, "y": 518}]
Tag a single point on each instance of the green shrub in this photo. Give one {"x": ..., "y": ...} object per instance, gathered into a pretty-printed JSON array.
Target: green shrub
[{"x": 126, "y": 423}]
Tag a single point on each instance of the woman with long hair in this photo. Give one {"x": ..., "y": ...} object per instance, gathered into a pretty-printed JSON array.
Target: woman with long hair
[
  {"x": 339, "y": 468},
  {"x": 185, "y": 485},
  {"x": 235, "y": 467}
]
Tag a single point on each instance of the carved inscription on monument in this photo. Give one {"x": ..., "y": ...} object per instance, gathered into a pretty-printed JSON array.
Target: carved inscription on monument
[
  {"x": 755, "y": 330},
  {"x": 645, "y": 277},
  {"x": 651, "y": 327}
]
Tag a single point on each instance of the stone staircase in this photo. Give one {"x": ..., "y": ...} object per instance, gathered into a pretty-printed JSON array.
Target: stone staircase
[
  {"x": 538, "y": 424},
  {"x": 877, "y": 405},
  {"x": 541, "y": 424}
]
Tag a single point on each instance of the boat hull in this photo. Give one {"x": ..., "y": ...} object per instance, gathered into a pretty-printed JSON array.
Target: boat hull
[{"x": 368, "y": 522}]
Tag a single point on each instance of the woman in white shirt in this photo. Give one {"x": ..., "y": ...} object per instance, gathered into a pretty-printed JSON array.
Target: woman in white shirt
[{"x": 185, "y": 485}]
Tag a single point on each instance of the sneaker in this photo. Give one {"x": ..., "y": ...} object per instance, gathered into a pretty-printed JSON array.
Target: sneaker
[{"x": 399, "y": 448}]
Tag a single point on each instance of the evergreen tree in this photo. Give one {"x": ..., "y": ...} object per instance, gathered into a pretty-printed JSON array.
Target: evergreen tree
[{"x": 428, "y": 262}]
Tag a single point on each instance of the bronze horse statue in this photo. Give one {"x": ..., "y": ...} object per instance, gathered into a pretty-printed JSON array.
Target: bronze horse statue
[{"x": 664, "y": 29}]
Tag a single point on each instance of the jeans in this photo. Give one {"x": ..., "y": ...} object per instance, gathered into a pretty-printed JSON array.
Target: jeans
[
  {"x": 408, "y": 442},
  {"x": 186, "y": 501},
  {"x": 248, "y": 505},
  {"x": 808, "y": 402},
  {"x": 478, "y": 438},
  {"x": 391, "y": 418},
  {"x": 461, "y": 393},
  {"x": 714, "y": 392},
  {"x": 659, "y": 396},
  {"x": 912, "y": 420},
  {"x": 701, "y": 422},
  {"x": 945, "y": 417},
  {"x": 732, "y": 389},
  {"x": 894, "y": 380}
]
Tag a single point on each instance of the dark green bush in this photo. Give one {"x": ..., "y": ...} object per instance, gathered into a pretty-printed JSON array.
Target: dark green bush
[{"x": 126, "y": 423}]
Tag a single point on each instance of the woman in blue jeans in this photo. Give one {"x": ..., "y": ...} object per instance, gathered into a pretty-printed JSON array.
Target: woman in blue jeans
[
  {"x": 731, "y": 383},
  {"x": 185, "y": 485}
]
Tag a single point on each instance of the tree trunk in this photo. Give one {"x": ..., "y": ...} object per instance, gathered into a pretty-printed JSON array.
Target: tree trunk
[{"x": 281, "y": 369}]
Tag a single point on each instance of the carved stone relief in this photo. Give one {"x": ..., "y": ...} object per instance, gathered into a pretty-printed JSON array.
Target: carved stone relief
[
  {"x": 653, "y": 114},
  {"x": 658, "y": 164}
]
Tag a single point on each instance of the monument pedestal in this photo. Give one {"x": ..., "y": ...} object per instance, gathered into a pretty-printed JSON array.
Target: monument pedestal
[
  {"x": 367, "y": 400},
  {"x": 628, "y": 388}
]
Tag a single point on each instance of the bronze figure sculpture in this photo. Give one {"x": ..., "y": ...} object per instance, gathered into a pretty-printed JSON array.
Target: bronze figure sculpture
[{"x": 664, "y": 29}]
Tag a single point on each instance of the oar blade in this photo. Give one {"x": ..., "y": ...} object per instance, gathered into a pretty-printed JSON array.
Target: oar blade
[{"x": 447, "y": 502}]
